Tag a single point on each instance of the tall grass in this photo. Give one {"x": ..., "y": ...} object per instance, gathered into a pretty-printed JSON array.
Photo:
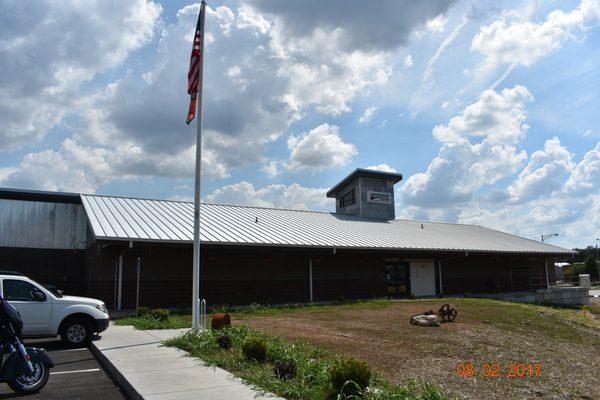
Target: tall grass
[{"x": 312, "y": 380}]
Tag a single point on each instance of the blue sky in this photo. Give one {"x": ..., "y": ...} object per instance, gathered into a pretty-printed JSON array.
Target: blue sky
[{"x": 489, "y": 111}]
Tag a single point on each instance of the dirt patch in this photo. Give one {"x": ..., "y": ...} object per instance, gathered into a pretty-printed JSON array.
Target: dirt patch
[{"x": 565, "y": 342}]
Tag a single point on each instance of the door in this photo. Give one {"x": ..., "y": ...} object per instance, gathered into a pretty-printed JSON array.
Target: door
[
  {"x": 398, "y": 279},
  {"x": 422, "y": 278},
  {"x": 31, "y": 302}
]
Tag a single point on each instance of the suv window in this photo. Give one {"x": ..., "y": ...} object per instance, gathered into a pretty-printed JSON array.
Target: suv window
[{"x": 17, "y": 290}]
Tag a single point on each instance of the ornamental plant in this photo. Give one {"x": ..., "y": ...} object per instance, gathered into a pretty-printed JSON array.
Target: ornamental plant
[
  {"x": 255, "y": 348},
  {"x": 349, "y": 376}
]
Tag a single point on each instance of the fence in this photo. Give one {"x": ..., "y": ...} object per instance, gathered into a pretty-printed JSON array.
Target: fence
[{"x": 541, "y": 282}]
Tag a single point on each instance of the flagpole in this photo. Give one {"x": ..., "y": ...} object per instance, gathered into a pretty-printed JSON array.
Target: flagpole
[{"x": 196, "y": 273}]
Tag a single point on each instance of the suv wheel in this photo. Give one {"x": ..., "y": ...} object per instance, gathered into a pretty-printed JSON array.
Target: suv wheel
[{"x": 76, "y": 332}]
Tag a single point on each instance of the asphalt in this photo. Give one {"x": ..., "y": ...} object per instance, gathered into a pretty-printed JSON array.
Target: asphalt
[{"x": 76, "y": 375}]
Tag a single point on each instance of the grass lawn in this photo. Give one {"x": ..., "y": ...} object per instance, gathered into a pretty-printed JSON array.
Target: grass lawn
[{"x": 565, "y": 341}]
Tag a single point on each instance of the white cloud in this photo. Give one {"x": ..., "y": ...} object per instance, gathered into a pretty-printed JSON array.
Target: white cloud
[
  {"x": 367, "y": 115},
  {"x": 512, "y": 41},
  {"x": 319, "y": 149},
  {"x": 408, "y": 61},
  {"x": 381, "y": 167},
  {"x": 498, "y": 117},
  {"x": 437, "y": 24},
  {"x": 272, "y": 168},
  {"x": 320, "y": 74},
  {"x": 585, "y": 178},
  {"x": 544, "y": 174},
  {"x": 48, "y": 51},
  {"x": 461, "y": 167},
  {"x": 292, "y": 196},
  {"x": 447, "y": 42}
]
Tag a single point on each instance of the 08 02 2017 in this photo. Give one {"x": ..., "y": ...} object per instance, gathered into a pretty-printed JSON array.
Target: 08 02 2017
[{"x": 496, "y": 370}]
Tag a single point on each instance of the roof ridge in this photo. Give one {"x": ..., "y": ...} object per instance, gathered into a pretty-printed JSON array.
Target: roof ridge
[
  {"x": 206, "y": 203},
  {"x": 436, "y": 222}
]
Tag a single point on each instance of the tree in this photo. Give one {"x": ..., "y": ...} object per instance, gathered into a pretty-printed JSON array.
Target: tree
[{"x": 591, "y": 267}]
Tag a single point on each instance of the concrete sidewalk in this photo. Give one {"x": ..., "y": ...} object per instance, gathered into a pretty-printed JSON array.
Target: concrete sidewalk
[{"x": 148, "y": 370}]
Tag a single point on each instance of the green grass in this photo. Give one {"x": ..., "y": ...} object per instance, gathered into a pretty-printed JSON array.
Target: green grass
[
  {"x": 506, "y": 315},
  {"x": 147, "y": 322},
  {"x": 183, "y": 319},
  {"x": 312, "y": 380}
]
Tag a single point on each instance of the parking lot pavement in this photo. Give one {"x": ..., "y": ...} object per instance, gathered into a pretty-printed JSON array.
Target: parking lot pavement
[{"x": 76, "y": 375}]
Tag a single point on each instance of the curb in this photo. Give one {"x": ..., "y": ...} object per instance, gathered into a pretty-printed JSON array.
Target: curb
[{"x": 115, "y": 374}]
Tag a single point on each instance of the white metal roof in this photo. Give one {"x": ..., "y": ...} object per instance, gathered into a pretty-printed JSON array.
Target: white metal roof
[{"x": 132, "y": 219}]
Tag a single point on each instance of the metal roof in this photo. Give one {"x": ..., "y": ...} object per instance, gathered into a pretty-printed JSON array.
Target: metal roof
[
  {"x": 362, "y": 172},
  {"x": 132, "y": 219}
]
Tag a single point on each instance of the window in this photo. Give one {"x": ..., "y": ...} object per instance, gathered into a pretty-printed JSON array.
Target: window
[
  {"x": 16, "y": 290},
  {"x": 348, "y": 199}
]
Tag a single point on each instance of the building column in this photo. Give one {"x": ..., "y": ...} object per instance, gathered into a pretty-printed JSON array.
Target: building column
[
  {"x": 120, "y": 284},
  {"x": 440, "y": 276},
  {"x": 546, "y": 270},
  {"x": 310, "y": 280}
]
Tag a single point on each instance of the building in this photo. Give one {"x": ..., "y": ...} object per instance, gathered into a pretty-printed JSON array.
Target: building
[{"x": 91, "y": 245}]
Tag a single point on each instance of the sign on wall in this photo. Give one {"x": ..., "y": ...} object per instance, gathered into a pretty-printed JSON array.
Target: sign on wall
[{"x": 379, "y": 197}]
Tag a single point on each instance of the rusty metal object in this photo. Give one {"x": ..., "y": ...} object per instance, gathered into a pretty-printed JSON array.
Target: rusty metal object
[
  {"x": 220, "y": 321},
  {"x": 447, "y": 313}
]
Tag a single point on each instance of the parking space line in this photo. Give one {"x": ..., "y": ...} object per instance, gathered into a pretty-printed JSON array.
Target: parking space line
[{"x": 75, "y": 372}]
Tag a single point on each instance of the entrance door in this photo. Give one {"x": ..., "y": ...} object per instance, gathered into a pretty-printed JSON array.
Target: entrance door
[
  {"x": 398, "y": 279},
  {"x": 422, "y": 274}
]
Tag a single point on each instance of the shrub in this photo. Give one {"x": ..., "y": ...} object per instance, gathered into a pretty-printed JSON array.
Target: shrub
[
  {"x": 412, "y": 296},
  {"x": 285, "y": 370},
  {"x": 255, "y": 348},
  {"x": 160, "y": 314},
  {"x": 350, "y": 376},
  {"x": 224, "y": 342},
  {"x": 143, "y": 311}
]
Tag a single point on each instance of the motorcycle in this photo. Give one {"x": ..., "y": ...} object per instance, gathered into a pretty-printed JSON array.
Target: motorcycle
[{"x": 24, "y": 369}]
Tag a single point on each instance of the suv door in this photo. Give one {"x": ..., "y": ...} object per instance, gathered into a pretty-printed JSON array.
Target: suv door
[{"x": 31, "y": 302}]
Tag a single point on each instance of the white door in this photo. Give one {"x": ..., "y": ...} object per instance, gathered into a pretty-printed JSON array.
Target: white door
[
  {"x": 32, "y": 303},
  {"x": 422, "y": 278}
]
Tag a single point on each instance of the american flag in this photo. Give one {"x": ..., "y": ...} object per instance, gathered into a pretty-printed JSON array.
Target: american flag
[{"x": 195, "y": 63}]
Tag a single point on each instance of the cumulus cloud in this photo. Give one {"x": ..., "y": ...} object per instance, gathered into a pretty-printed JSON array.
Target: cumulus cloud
[
  {"x": 408, "y": 61},
  {"x": 367, "y": 115},
  {"x": 48, "y": 51},
  {"x": 512, "y": 41},
  {"x": 381, "y": 167},
  {"x": 319, "y": 149},
  {"x": 498, "y": 117},
  {"x": 585, "y": 178},
  {"x": 544, "y": 174},
  {"x": 292, "y": 196},
  {"x": 497, "y": 120}
]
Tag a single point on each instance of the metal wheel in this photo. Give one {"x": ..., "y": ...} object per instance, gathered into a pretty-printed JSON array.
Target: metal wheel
[
  {"x": 76, "y": 332},
  {"x": 31, "y": 383},
  {"x": 448, "y": 312}
]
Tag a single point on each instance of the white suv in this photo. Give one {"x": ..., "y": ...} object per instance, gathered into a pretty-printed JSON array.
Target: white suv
[{"x": 47, "y": 313}]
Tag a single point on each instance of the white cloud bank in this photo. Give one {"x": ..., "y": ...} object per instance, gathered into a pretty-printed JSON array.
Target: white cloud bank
[{"x": 551, "y": 191}]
